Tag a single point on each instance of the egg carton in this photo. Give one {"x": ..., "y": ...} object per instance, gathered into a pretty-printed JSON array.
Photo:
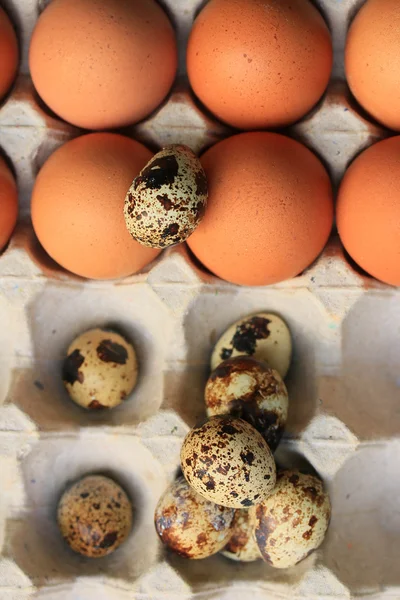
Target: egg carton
[{"x": 343, "y": 384}]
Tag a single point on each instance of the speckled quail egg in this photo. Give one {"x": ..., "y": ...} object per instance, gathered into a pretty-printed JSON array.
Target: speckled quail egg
[
  {"x": 94, "y": 516},
  {"x": 247, "y": 388},
  {"x": 263, "y": 336},
  {"x": 228, "y": 462},
  {"x": 292, "y": 522},
  {"x": 100, "y": 370},
  {"x": 190, "y": 525},
  {"x": 167, "y": 200},
  {"x": 242, "y": 545}
]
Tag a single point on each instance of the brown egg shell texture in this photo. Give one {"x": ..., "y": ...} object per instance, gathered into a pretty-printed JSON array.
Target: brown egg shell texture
[
  {"x": 167, "y": 200},
  {"x": 94, "y": 516},
  {"x": 293, "y": 521},
  {"x": 264, "y": 336},
  {"x": 242, "y": 545},
  {"x": 190, "y": 525},
  {"x": 228, "y": 462},
  {"x": 100, "y": 370},
  {"x": 248, "y": 389}
]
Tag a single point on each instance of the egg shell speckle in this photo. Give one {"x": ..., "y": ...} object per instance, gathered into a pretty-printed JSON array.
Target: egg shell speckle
[
  {"x": 264, "y": 336},
  {"x": 292, "y": 522},
  {"x": 246, "y": 388},
  {"x": 94, "y": 516},
  {"x": 167, "y": 200},
  {"x": 190, "y": 525},
  {"x": 243, "y": 546},
  {"x": 100, "y": 370},
  {"x": 228, "y": 462}
]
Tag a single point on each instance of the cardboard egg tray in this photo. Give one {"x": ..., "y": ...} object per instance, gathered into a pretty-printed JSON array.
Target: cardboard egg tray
[{"x": 343, "y": 384}]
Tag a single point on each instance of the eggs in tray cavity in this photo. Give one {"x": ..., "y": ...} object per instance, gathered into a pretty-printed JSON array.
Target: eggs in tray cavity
[
  {"x": 228, "y": 462},
  {"x": 167, "y": 200},
  {"x": 100, "y": 369}
]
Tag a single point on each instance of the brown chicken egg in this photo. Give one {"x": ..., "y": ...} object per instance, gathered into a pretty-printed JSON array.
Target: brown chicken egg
[
  {"x": 292, "y": 522},
  {"x": 269, "y": 211},
  {"x": 103, "y": 64},
  {"x": 242, "y": 545},
  {"x": 260, "y": 63},
  {"x": 8, "y": 53},
  {"x": 228, "y": 462},
  {"x": 94, "y": 516},
  {"x": 368, "y": 210},
  {"x": 8, "y": 203},
  {"x": 190, "y": 525},
  {"x": 78, "y": 206},
  {"x": 372, "y": 60},
  {"x": 246, "y": 388}
]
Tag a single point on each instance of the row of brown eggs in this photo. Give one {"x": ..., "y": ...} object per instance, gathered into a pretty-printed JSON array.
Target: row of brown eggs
[
  {"x": 231, "y": 497},
  {"x": 104, "y": 64},
  {"x": 268, "y": 216}
]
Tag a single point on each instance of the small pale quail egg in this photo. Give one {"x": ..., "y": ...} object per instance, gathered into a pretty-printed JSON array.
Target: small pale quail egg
[
  {"x": 100, "y": 370},
  {"x": 94, "y": 516},
  {"x": 167, "y": 200},
  {"x": 263, "y": 336},
  {"x": 228, "y": 462},
  {"x": 292, "y": 522},
  {"x": 242, "y": 545},
  {"x": 190, "y": 525},
  {"x": 247, "y": 388}
]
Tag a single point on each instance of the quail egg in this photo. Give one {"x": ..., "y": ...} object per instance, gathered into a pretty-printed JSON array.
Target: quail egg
[
  {"x": 190, "y": 525},
  {"x": 246, "y": 388},
  {"x": 167, "y": 200},
  {"x": 292, "y": 522},
  {"x": 94, "y": 516},
  {"x": 228, "y": 462},
  {"x": 263, "y": 336},
  {"x": 100, "y": 370},
  {"x": 242, "y": 545}
]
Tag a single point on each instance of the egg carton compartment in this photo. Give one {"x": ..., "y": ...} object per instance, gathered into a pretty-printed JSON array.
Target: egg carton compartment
[
  {"x": 54, "y": 317},
  {"x": 336, "y": 129},
  {"x": 32, "y": 539}
]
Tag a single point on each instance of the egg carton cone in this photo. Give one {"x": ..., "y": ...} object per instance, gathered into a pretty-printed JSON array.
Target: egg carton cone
[{"x": 344, "y": 381}]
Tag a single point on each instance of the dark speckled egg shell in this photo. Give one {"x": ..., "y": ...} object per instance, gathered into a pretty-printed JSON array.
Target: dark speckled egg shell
[
  {"x": 94, "y": 516},
  {"x": 167, "y": 200}
]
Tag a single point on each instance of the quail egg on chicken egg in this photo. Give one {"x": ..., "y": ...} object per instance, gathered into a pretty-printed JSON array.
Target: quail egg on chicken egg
[
  {"x": 190, "y": 525},
  {"x": 242, "y": 545},
  {"x": 94, "y": 516},
  {"x": 264, "y": 336},
  {"x": 228, "y": 462},
  {"x": 167, "y": 200},
  {"x": 247, "y": 388},
  {"x": 100, "y": 369},
  {"x": 292, "y": 522}
]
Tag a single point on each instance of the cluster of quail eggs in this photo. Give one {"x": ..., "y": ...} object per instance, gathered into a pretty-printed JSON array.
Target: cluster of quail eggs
[
  {"x": 167, "y": 200},
  {"x": 231, "y": 497}
]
